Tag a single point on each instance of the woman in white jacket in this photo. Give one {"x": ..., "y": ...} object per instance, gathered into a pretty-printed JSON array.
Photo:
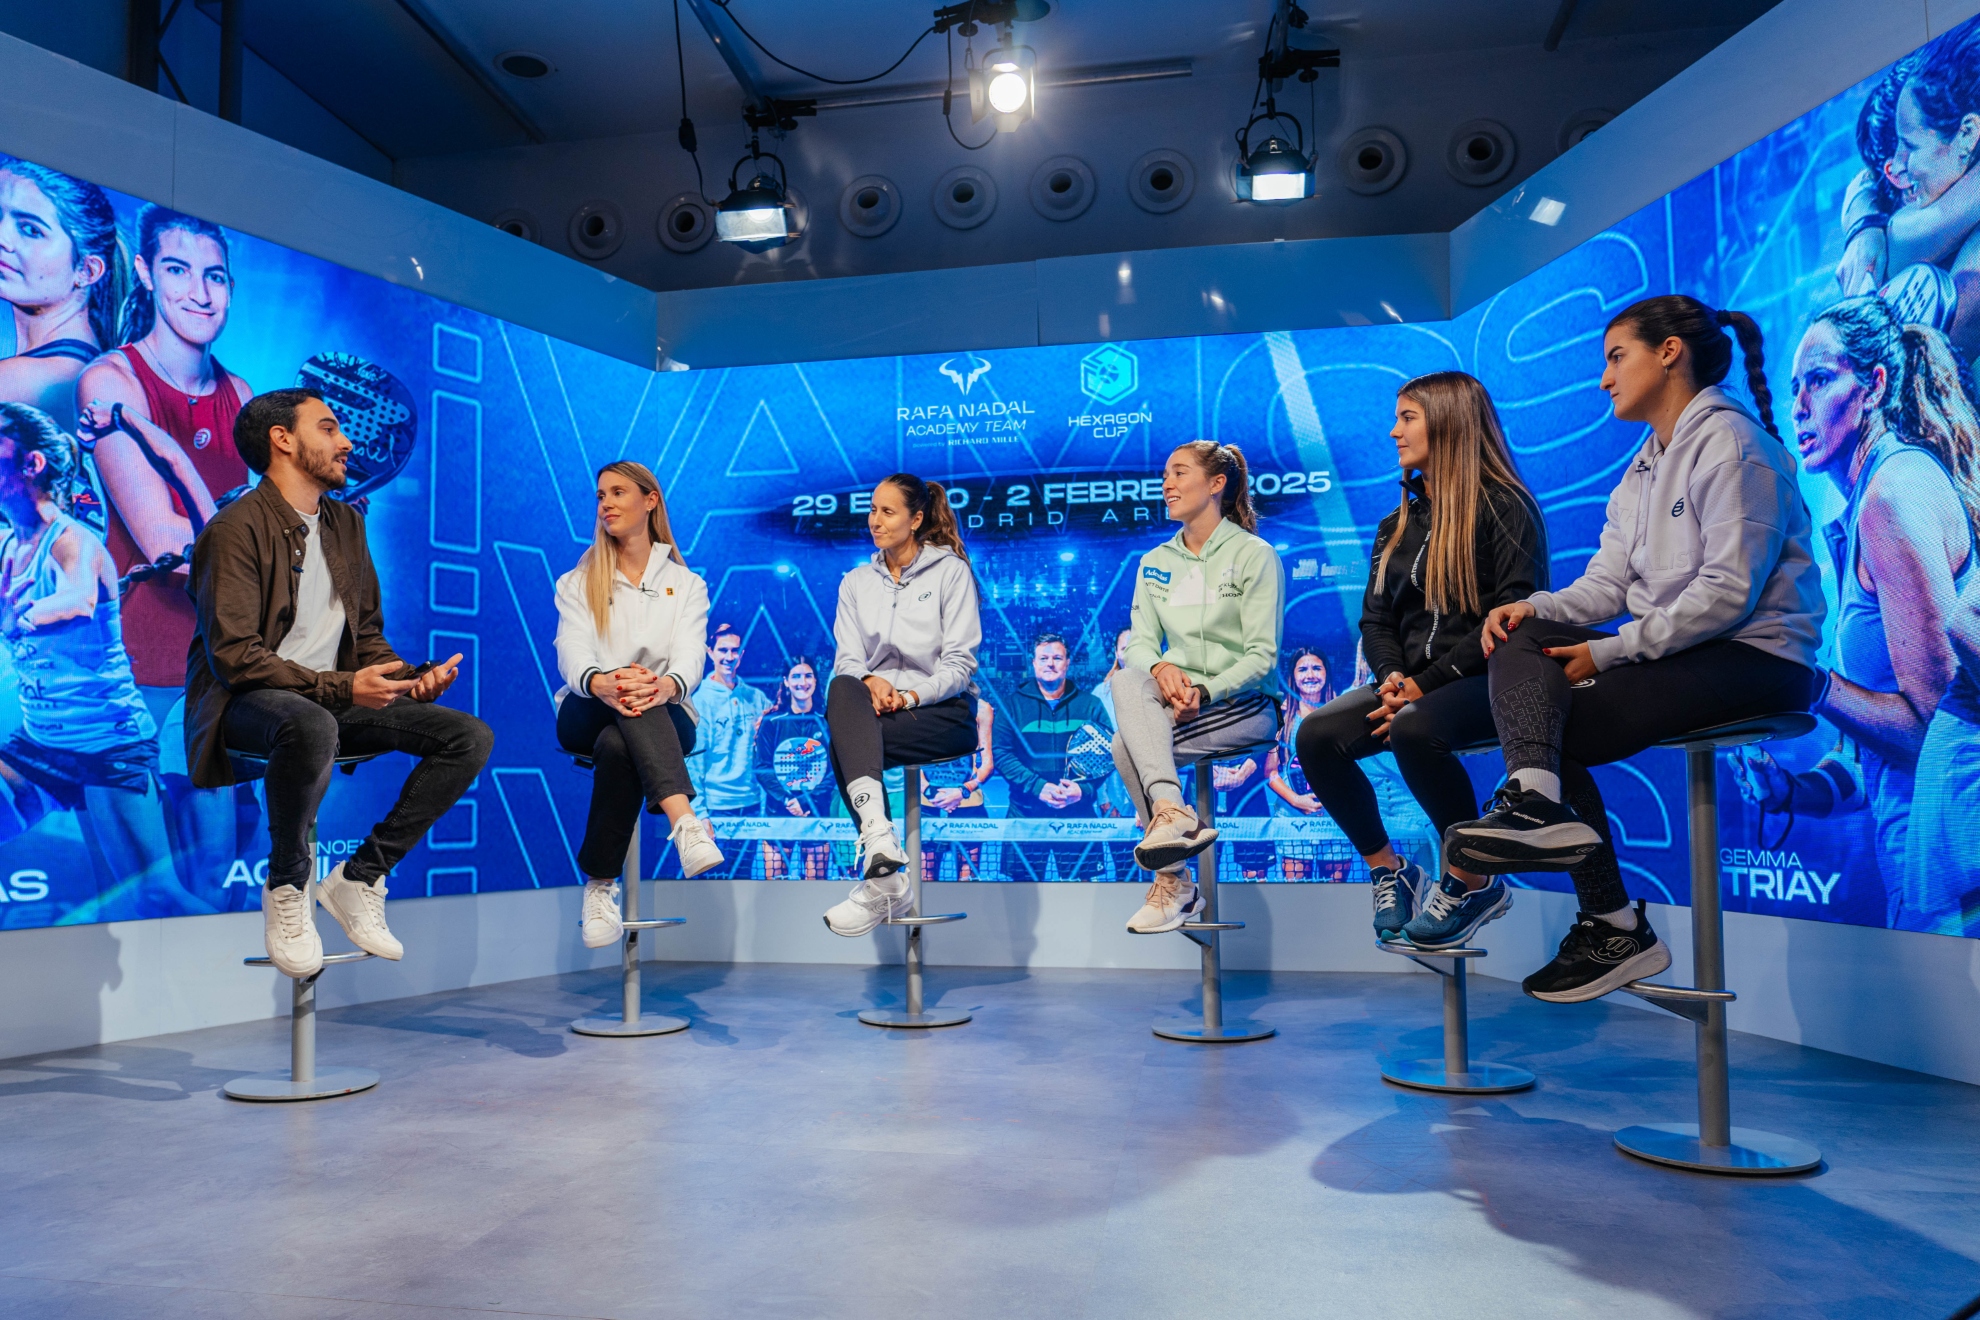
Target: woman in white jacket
[
  {"x": 903, "y": 680},
  {"x": 1708, "y": 555},
  {"x": 632, "y": 630}
]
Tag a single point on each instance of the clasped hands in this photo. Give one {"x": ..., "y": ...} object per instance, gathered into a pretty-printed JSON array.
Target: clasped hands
[
  {"x": 1183, "y": 698},
  {"x": 887, "y": 698},
  {"x": 371, "y": 688},
  {"x": 634, "y": 689}
]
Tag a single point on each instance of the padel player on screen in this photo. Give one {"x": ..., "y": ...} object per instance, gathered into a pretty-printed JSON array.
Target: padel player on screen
[
  {"x": 632, "y": 621},
  {"x": 1203, "y": 665},
  {"x": 65, "y": 274},
  {"x": 903, "y": 682},
  {"x": 1054, "y": 746}
]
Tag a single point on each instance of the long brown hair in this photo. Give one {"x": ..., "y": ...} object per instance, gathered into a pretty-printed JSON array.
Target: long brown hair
[
  {"x": 938, "y": 520},
  {"x": 1226, "y": 461},
  {"x": 601, "y": 561},
  {"x": 1467, "y": 450}
]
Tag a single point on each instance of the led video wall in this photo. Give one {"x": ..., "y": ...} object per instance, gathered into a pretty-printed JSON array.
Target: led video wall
[{"x": 478, "y": 441}]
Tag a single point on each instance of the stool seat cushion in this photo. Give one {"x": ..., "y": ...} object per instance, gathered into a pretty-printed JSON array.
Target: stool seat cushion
[
  {"x": 1763, "y": 728},
  {"x": 1252, "y": 749}
]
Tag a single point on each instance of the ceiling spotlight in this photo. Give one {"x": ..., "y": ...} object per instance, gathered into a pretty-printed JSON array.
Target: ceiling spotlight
[
  {"x": 758, "y": 215},
  {"x": 1275, "y": 172},
  {"x": 1004, "y": 87}
]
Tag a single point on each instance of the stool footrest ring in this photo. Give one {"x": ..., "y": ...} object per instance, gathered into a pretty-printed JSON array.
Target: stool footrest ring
[
  {"x": 1212, "y": 925},
  {"x": 328, "y": 959},
  {"x": 1411, "y": 951},
  {"x": 934, "y": 920},
  {"x": 1682, "y": 1000},
  {"x": 653, "y": 923}
]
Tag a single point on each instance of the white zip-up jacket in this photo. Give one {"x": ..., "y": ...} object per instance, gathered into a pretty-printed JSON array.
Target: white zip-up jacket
[
  {"x": 661, "y": 623},
  {"x": 920, "y": 633},
  {"x": 1706, "y": 537}
]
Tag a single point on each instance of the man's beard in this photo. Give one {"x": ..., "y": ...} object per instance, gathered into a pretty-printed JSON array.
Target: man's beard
[{"x": 322, "y": 465}]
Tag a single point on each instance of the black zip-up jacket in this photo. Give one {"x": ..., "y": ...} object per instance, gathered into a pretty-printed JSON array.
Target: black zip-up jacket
[{"x": 1399, "y": 630}]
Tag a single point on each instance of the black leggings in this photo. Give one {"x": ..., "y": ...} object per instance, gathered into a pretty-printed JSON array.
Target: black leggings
[
  {"x": 1333, "y": 738},
  {"x": 1547, "y": 723},
  {"x": 865, "y": 744},
  {"x": 634, "y": 759}
]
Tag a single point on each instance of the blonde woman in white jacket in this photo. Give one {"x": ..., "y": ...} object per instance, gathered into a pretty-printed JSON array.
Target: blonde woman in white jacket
[{"x": 632, "y": 630}]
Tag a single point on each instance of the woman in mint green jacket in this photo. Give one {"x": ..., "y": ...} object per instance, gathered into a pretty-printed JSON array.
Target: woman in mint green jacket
[{"x": 1202, "y": 672}]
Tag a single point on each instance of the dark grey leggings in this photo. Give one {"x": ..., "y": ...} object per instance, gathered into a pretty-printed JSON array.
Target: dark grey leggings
[{"x": 1547, "y": 723}]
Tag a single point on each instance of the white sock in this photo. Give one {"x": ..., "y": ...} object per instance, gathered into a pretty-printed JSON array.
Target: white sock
[
  {"x": 1623, "y": 918},
  {"x": 869, "y": 801},
  {"x": 1544, "y": 782}
]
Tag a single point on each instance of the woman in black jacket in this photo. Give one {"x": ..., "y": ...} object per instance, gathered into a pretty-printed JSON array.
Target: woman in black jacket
[{"x": 1467, "y": 536}]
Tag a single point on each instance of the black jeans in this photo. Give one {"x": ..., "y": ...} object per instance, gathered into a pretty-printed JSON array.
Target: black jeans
[
  {"x": 1333, "y": 738},
  {"x": 1547, "y": 723},
  {"x": 634, "y": 759},
  {"x": 865, "y": 744},
  {"x": 301, "y": 740}
]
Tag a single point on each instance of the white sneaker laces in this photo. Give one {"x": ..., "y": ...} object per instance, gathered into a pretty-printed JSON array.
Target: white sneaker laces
[
  {"x": 371, "y": 905},
  {"x": 597, "y": 902},
  {"x": 1442, "y": 903},
  {"x": 290, "y": 914},
  {"x": 1385, "y": 889}
]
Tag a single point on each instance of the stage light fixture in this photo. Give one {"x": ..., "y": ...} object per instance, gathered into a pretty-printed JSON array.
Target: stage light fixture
[
  {"x": 757, "y": 215},
  {"x": 1277, "y": 171},
  {"x": 1004, "y": 87}
]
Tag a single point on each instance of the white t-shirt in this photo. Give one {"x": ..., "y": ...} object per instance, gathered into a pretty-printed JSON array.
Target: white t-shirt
[{"x": 319, "y": 627}]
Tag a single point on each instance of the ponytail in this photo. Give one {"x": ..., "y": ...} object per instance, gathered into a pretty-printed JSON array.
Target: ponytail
[
  {"x": 938, "y": 520},
  {"x": 1703, "y": 332},
  {"x": 1936, "y": 411},
  {"x": 34, "y": 431},
  {"x": 1226, "y": 461}
]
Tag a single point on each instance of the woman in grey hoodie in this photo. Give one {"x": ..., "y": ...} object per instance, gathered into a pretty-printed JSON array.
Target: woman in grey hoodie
[
  {"x": 1708, "y": 552},
  {"x": 903, "y": 680}
]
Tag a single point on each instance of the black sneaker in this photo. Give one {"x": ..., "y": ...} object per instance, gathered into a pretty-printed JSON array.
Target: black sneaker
[
  {"x": 1521, "y": 831},
  {"x": 1596, "y": 958}
]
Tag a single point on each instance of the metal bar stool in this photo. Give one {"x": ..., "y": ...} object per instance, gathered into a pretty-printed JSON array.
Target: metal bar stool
[
  {"x": 1713, "y": 1144},
  {"x": 304, "y": 1080},
  {"x": 1455, "y": 1072},
  {"x": 630, "y": 1022},
  {"x": 916, "y": 1014},
  {"x": 1207, "y": 929}
]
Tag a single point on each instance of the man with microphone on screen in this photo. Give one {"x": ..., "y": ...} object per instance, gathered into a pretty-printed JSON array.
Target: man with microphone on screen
[{"x": 290, "y": 664}]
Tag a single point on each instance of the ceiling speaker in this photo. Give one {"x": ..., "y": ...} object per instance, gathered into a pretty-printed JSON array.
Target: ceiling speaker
[
  {"x": 518, "y": 222},
  {"x": 686, "y": 223},
  {"x": 596, "y": 230},
  {"x": 1161, "y": 181},
  {"x": 1580, "y": 124},
  {"x": 1062, "y": 188},
  {"x": 1373, "y": 161},
  {"x": 869, "y": 206},
  {"x": 964, "y": 197},
  {"x": 1480, "y": 152}
]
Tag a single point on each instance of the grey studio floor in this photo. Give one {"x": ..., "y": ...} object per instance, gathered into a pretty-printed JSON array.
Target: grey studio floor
[{"x": 1051, "y": 1158}]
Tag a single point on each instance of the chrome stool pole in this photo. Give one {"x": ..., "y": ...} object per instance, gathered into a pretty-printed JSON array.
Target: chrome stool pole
[
  {"x": 917, "y": 1014},
  {"x": 630, "y": 1022},
  {"x": 1205, "y": 933},
  {"x": 1455, "y": 1072},
  {"x": 1713, "y": 1144}
]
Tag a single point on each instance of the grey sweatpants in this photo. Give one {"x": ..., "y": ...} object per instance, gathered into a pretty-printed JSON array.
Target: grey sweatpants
[{"x": 1148, "y": 742}]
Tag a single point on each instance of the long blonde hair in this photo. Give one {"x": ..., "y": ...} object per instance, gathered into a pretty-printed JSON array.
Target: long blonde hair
[
  {"x": 1467, "y": 450},
  {"x": 601, "y": 561}
]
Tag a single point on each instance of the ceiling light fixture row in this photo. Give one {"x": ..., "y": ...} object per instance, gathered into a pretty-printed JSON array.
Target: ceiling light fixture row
[{"x": 1278, "y": 169}]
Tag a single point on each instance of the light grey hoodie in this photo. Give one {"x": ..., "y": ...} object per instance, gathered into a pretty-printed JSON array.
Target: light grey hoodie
[
  {"x": 1706, "y": 537},
  {"x": 920, "y": 633}
]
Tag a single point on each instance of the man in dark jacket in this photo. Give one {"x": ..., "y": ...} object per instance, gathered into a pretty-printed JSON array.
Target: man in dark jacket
[
  {"x": 1040, "y": 720},
  {"x": 290, "y": 665}
]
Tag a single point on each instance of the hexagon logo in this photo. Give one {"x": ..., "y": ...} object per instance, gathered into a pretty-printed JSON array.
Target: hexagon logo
[{"x": 1109, "y": 374}]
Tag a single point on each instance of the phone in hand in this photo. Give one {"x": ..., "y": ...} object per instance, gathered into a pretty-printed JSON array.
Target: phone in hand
[{"x": 409, "y": 673}]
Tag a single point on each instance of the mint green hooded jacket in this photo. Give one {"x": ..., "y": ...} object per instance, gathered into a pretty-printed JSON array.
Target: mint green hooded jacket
[{"x": 1216, "y": 616}]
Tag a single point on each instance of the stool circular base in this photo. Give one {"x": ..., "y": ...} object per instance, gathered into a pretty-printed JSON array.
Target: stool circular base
[
  {"x": 1430, "y": 1075},
  {"x": 894, "y": 1017},
  {"x": 279, "y": 1086},
  {"x": 1192, "y": 1031},
  {"x": 1752, "y": 1153},
  {"x": 645, "y": 1026}
]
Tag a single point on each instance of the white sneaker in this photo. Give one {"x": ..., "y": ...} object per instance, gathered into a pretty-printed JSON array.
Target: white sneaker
[
  {"x": 880, "y": 853},
  {"x": 600, "y": 920},
  {"x": 1171, "y": 901},
  {"x": 866, "y": 907},
  {"x": 1174, "y": 836},
  {"x": 290, "y": 932},
  {"x": 360, "y": 909},
  {"x": 695, "y": 845}
]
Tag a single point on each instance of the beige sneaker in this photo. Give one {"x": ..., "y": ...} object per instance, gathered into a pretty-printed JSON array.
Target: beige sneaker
[
  {"x": 1173, "y": 837},
  {"x": 289, "y": 929},
  {"x": 696, "y": 846},
  {"x": 600, "y": 920},
  {"x": 1171, "y": 901},
  {"x": 360, "y": 909}
]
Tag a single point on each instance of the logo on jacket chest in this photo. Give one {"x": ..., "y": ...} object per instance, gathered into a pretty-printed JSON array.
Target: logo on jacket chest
[{"x": 1677, "y": 510}]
